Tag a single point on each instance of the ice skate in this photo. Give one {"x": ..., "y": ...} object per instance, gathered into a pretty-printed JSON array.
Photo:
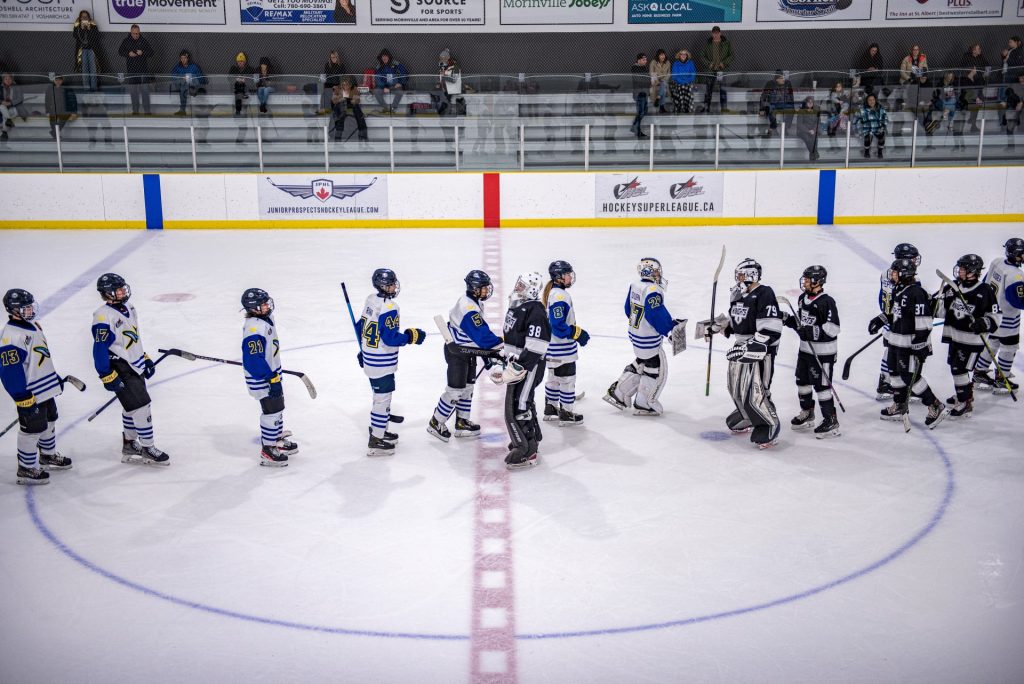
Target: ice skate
[
  {"x": 287, "y": 447},
  {"x": 33, "y": 476},
  {"x": 388, "y": 436},
  {"x": 828, "y": 428},
  {"x": 464, "y": 427},
  {"x": 54, "y": 461},
  {"x": 130, "y": 449},
  {"x": 883, "y": 392},
  {"x": 983, "y": 381},
  {"x": 550, "y": 413},
  {"x": 567, "y": 418},
  {"x": 612, "y": 399},
  {"x": 962, "y": 411},
  {"x": 435, "y": 428},
  {"x": 273, "y": 457},
  {"x": 803, "y": 420},
  {"x": 154, "y": 457},
  {"x": 936, "y": 413},
  {"x": 378, "y": 447},
  {"x": 894, "y": 411},
  {"x": 999, "y": 387},
  {"x": 520, "y": 458}
]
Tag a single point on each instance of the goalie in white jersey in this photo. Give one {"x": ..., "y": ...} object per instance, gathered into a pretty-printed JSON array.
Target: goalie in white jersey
[
  {"x": 1007, "y": 279},
  {"x": 123, "y": 367},
  {"x": 563, "y": 351},
  {"x": 27, "y": 373}
]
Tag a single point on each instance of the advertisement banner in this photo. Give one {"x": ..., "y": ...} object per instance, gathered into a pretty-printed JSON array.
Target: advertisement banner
[
  {"x": 298, "y": 11},
  {"x": 166, "y": 11},
  {"x": 814, "y": 10},
  {"x": 42, "y": 11},
  {"x": 556, "y": 12},
  {"x": 330, "y": 196},
  {"x": 420, "y": 12},
  {"x": 944, "y": 9},
  {"x": 685, "y": 11},
  {"x": 627, "y": 195}
]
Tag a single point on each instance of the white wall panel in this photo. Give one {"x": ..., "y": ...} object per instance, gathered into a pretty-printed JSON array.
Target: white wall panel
[
  {"x": 787, "y": 193},
  {"x": 1014, "y": 193},
  {"x": 917, "y": 192},
  {"x": 54, "y": 197},
  {"x": 855, "y": 192},
  {"x": 241, "y": 201},
  {"x": 196, "y": 197},
  {"x": 547, "y": 195},
  {"x": 436, "y": 196},
  {"x": 740, "y": 194},
  {"x": 123, "y": 197}
]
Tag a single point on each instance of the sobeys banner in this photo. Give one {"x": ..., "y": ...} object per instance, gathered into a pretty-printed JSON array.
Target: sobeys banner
[{"x": 557, "y": 12}]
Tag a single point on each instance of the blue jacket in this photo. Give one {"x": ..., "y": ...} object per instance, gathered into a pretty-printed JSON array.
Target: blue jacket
[
  {"x": 390, "y": 74},
  {"x": 193, "y": 70},
  {"x": 684, "y": 72}
]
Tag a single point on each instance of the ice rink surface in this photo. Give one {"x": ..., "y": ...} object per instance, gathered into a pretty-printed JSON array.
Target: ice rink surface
[{"x": 640, "y": 550}]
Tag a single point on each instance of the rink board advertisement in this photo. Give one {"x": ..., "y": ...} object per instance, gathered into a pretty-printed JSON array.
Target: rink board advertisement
[
  {"x": 626, "y": 195},
  {"x": 328, "y": 196},
  {"x": 944, "y": 9},
  {"x": 420, "y": 12},
  {"x": 685, "y": 11},
  {"x": 42, "y": 11},
  {"x": 298, "y": 12},
  {"x": 816, "y": 10},
  {"x": 166, "y": 11},
  {"x": 556, "y": 12}
]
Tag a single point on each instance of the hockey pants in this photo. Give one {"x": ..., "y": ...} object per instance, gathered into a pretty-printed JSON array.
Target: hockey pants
[
  {"x": 36, "y": 432},
  {"x": 962, "y": 359},
  {"x": 458, "y": 394},
  {"x": 811, "y": 382}
]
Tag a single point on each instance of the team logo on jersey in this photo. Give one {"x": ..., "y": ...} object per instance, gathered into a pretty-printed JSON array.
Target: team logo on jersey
[
  {"x": 323, "y": 189},
  {"x": 961, "y": 310},
  {"x": 739, "y": 312},
  {"x": 43, "y": 352},
  {"x": 132, "y": 336},
  {"x": 631, "y": 189},
  {"x": 687, "y": 189}
]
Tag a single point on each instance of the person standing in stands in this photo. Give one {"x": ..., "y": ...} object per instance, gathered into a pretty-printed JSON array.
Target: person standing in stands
[
  {"x": 715, "y": 58},
  {"x": 87, "y": 40},
  {"x": 136, "y": 52},
  {"x": 684, "y": 73},
  {"x": 641, "y": 85},
  {"x": 660, "y": 70}
]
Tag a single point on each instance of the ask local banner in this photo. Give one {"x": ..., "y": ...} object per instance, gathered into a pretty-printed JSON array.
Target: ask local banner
[
  {"x": 328, "y": 196},
  {"x": 943, "y": 9},
  {"x": 627, "y": 195},
  {"x": 556, "y": 12},
  {"x": 685, "y": 11},
  {"x": 42, "y": 11}
]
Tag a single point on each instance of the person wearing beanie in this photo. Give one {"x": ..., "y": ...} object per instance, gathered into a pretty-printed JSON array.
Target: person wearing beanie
[
  {"x": 240, "y": 75},
  {"x": 449, "y": 82}
]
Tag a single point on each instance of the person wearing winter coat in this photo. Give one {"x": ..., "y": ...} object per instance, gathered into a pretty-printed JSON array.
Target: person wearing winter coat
[
  {"x": 188, "y": 79},
  {"x": 641, "y": 84},
  {"x": 807, "y": 126},
  {"x": 776, "y": 96},
  {"x": 136, "y": 52},
  {"x": 391, "y": 77},
  {"x": 345, "y": 99},
  {"x": 715, "y": 58},
  {"x": 449, "y": 82},
  {"x": 240, "y": 76},
  {"x": 660, "y": 70},
  {"x": 87, "y": 42},
  {"x": 684, "y": 73},
  {"x": 873, "y": 123},
  {"x": 870, "y": 69},
  {"x": 333, "y": 72},
  {"x": 61, "y": 105},
  {"x": 264, "y": 84}
]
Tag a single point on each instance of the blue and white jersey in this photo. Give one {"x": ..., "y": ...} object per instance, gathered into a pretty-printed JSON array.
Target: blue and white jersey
[
  {"x": 261, "y": 354},
  {"x": 26, "y": 368},
  {"x": 379, "y": 336},
  {"x": 1008, "y": 282},
  {"x": 562, "y": 317},
  {"x": 467, "y": 325},
  {"x": 649, "y": 320},
  {"x": 115, "y": 332}
]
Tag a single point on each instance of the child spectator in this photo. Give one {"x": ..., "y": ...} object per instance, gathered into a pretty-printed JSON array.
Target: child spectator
[
  {"x": 263, "y": 84},
  {"x": 838, "y": 110},
  {"x": 873, "y": 123},
  {"x": 391, "y": 77},
  {"x": 449, "y": 82}
]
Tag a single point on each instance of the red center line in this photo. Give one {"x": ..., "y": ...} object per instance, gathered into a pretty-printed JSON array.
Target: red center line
[{"x": 493, "y": 636}]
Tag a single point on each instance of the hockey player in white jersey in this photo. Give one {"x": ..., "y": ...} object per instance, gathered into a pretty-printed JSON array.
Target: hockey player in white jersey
[
  {"x": 649, "y": 322},
  {"x": 468, "y": 328},
  {"x": 26, "y": 370},
  {"x": 261, "y": 361},
  {"x": 379, "y": 340},
  {"x": 1007, "y": 279},
  {"x": 566, "y": 338},
  {"x": 124, "y": 367}
]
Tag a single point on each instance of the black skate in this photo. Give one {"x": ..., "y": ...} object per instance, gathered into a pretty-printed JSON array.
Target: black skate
[
  {"x": 154, "y": 457},
  {"x": 765, "y": 436},
  {"x": 388, "y": 436},
  {"x": 828, "y": 428},
  {"x": 612, "y": 399},
  {"x": 883, "y": 392},
  {"x": 130, "y": 450},
  {"x": 803, "y": 420},
  {"x": 567, "y": 417},
  {"x": 952, "y": 401},
  {"x": 273, "y": 457},
  {"x": 983, "y": 381},
  {"x": 639, "y": 410},
  {"x": 550, "y": 413},
  {"x": 737, "y": 424},
  {"x": 936, "y": 413},
  {"x": 286, "y": 446},
  {"x": 379, "y": 447},
  {"x": 32, "y": 476},
  {"x": 464, "y": 427},
  {"x": 439, "y": 430},
  {"x": 962, "y": 411},
  {"x": 54, "y": 461},
  {"x": 999, "y": 387},
  {"x": 524, "y": 457}
]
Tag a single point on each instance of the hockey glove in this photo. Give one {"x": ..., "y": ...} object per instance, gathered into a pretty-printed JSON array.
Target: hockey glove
[
  {"x": 415, "y": 336},
  {"x": 580, "y": 335},
  {"x": 754, "y": 349},
  {"x": 921, "y": 352},
  {"x": 112, "y": 382},
  {"x": 982, "y": 325},
  {"x": 513, "y": 373},
  {"x": 276, "y": 388},
  {"x": 877, "y": 323},
  {"x": 789, "y": 320},
  {"x": 808, "y": 333},
  {"x": 150, "y": 368}
]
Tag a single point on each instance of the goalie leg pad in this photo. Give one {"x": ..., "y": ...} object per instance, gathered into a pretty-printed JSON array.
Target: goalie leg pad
[
  {"x": 652, "y": 382},
  {"x": 629, "y": 381}
]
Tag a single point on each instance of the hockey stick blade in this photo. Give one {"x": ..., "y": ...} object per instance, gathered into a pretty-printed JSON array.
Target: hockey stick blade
[
  {"x": 75, "y": 382},
  {"x": 308, "y": 383},
  {"x": 443, "y": 328},
  {"x": 721, "y": 262},
  {"x": 188, "y": 356}
]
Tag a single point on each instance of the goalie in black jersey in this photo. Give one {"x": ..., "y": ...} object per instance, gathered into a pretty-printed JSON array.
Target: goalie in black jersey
[{"x": 817, "y": 324}]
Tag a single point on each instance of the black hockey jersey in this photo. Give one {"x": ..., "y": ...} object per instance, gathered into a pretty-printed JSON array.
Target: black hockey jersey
[
  {"x": 910, "y": 325},
  {"x": 817, "y": 322},
  {"x": 756, "y": 311},
  {"x": 959, "y": 318},
  {"x": 527, "y": 333}
]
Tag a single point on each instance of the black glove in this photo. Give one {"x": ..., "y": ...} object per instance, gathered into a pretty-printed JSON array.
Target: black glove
[
  {"x": 150, "y": 368},
  {"x": 981, "y": 325},
  {"x": 276, "y": 388},
  {"x": 359, "y": 358},
  {"x": 806, "y": 333},
  {"x": 877, "y": 323},
  {"x": 922, "y": 353},
  {"x": 789, "y": 320},
  {"x": 415, "y": 335},
  {"x": 581, "y": 336},
  {"x": 112, "y": 382}
]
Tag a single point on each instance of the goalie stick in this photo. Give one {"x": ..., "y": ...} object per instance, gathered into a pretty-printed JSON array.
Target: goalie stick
[
  {"x": 67, "y": 379},
  {"x": 189, "y": 356},
  {"x": 711, "y": 340},
  {"x": 828, "y": 378},
  {"x": 101, "y": 409}
]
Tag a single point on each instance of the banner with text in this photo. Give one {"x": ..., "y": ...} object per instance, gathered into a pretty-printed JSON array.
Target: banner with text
[
  {"x": 943, "y": 9},
  {"x": 298, "y": 11},
  {"x": 166, "y": 11},
  {"x": 420, "y": 12},
  {"x": 814, "y": 10},
  {"x": 556, "y": 12},
  {"x": 42, "y": 11},
  {"x": 685, "y": 11},
  {"x": 331, "y": 196},
  {"x": 659, "y": 194}
]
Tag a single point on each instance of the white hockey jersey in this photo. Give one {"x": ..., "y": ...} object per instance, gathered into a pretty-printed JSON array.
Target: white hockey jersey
[
  {"x": 468, "y": 327},
  {"x": 115, "y": 332},
  {"x": 261, "y": 354},
  {"x": 649, "y": 320},
  {"x": 562, "y": 317},
  {"x": 26, "y": 368},
  {"x": 1008, "y": 282},
  {"x": 380, "y": 336}
]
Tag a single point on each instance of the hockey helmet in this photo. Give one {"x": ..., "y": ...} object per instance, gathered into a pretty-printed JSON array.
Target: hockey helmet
[
  {"x": 113, "y": 288},
  {"x": 968, "y": 268},
  {"x": 386, "y": 283},
  {"x": 748, "y": 271},
  {"x": 253, "y": 300},
  {"x": 905, "y": 250},
  {"x": 649, "y": 268},
  {"x": 528, "y": 288},
  {"x": 562, "y": 270},
  {"x": 21, "y": 303},
  {"x": 1015, "y": 251},
  {"x": 904, "y": 270},
  {"x": 478, "y": 285},
  {"x": 813, "y": 279}
]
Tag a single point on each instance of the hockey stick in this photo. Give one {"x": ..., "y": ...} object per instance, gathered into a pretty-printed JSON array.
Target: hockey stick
[
  {"x": 69, "y": 379},
  {"x": 711, "y": 340},
  {"x": 351, "y": 315},
  {"x": 851, "y": 357},
  {"x": 103, "y": 408},
  {"x": 999, "y": 371},
  {"x": 189, "y": 356},
  {"x": 821, "y": 366}
]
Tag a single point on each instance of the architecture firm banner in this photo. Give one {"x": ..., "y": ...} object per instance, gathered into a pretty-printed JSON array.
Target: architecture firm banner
[
  {"x": 329, "y": 196},
  {"x": 814, "y": 10},
  {"x": 557, "y": 12},
  {"x": 658, "y": 194},
  {"x": 166, "y": 11},
  {"x": 298, "y": 11},
  {"x": 685, "y": 11},
  {"x": 944, "y": 9},
  {"x": 42, "y": 11},
  {"x": 420, "y": 12}
]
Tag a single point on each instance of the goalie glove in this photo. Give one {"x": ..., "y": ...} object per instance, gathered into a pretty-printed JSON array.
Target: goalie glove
[
  {"x": 509, "y": 375},
  {"x": 720, "y": 324},
  {"x": 751, "y": 351}
]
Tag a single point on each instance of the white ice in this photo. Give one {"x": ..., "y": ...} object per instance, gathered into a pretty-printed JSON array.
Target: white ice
[{"x": 877, "y": 557}]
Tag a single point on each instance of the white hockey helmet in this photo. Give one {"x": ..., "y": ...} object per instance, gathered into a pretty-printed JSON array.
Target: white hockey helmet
[
  {"x": 528, "y": 287},
  {"x": 649, "y": 268},
  {"x": 748, "y": 271}
]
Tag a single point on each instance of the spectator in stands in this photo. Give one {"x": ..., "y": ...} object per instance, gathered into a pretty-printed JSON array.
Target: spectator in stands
[
  {"x": 345, "y": 99},
  {"x": 136, "y": 52},
  {"x": 333, "y": 71},
  {"x": 873, "y": 122},
  {"x": 11, "y": 101},
  {"x": 61, "y": 105},
  {"x": 838, "y": 111},
  {"x": 951, "y": 100},
  {"x": 975, "y": 71},
  {"x": 684, "y": 73},
  {"x": 776, "y": 96},
  {"x": 1013, "y": 60},
  {"x": 715, "y": 58},
  {"x": 390, "y": 77},
  {"x": 641, "y": 86},
  {"x": 870, "y": 69},
  {"x": 1014, "y": 109},
  {"x": 449, "y": 82},
  {"x": 807, "y": 126},
  {"x": 660, "y": 70},
  {"x": 263, "y": 84},
  {"x": 188, "y": 79},
  {"x": 344, "y": 12},
  {"x": 914, "y": 67},
  {"x": 87, "y": 42},
  {"x": 240, "y": 75}
]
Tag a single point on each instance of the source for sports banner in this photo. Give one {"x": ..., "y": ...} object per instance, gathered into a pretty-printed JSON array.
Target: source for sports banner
[
  {"x": 685, "y": 11},
  {"x": 42, "y": 11},
  {"x": 166, "y": 11},
  {"x": 658, "y": 194},
  {"x": 943, "y": 9},
  {"x": 298, "y": 11},
  {"x": 556, "y": 12},
  {"x": 814, "y": 10},
  {"x": 420, "y": 12},
  {"x": 327, "y": 196}
]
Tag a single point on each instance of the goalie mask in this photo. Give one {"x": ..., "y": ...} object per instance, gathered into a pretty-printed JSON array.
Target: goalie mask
[
  {"x": 528, "y": 288},
  {"x": 748, "y": 272},
  {"x": 649, "y": 268}
]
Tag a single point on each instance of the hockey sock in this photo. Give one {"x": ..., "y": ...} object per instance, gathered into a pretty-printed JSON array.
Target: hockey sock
[
  {"x": 271, "y": 427},
  {"x": 27, "y": 449},
  {"x": 379, "y": 414},
  {"x": 142, "y": 419},
  {"x": 465, "y": 403},
  {"x": 1005, "y": 361},
  {"x": 884, "y": 368},
  {"x": 445, "y": 405},
  {"x": 828, "y": 408},
  {"x": 824, "y": 396},
  {"x": 806, "y": 396},
  {"x": 128, "y": 426},
  {"x": 551, "y": 388},
  {"x": 48, "y": 439},
  {"x": 567, "y": 392}
]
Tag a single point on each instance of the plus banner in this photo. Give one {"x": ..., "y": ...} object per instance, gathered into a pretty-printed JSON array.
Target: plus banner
[
  {"x": 943, "y": 9},
  {"x": 331, "y": 196},
  {"x": 626, "y": 195}
]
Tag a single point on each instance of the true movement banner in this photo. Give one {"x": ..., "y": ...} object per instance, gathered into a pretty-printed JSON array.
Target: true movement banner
[
  {"x": 330, "y": 196},
  {"x": 659, "y": 194},
  {"x": 42, "y": 11},
  {"x": 553, "y": 12},
  {"x": 166, "y": 11}
]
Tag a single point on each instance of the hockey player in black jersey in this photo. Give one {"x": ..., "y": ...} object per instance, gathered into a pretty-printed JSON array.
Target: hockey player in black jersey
[
  {"x": 910, "y": 327},
  {"x": 964, "y": 326},
  {"x": 817, "y": 324},
  {"x": 904, "y": 250},
  {"x": 527, "y": 334}
]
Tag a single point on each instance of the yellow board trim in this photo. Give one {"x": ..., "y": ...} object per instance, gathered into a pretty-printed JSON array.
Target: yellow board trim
[
  {"x": 652, "y": 221},
  {"x": 72, "y": 225},
  {"x": 323, "y": 225},
  {"x": 932, "y": 218}
]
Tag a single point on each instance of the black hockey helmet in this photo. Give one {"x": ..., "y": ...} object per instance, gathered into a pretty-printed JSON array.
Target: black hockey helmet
[
  {"x": 1014, "y": 251},
  {"x": 386, "y": 282},
  {"x": 110, "y": 286},
  {"x": 253, "y": 300},
  {"x": 969, "y": 268},
  {"x": 748, "y": 271},
  {"x": 560, "y": 269},
  {"x": 20, "y": 303},
  {"x": 813, "y": 279},
  {"x": 905, "y": 250},
  {"x": 478, "y": 285},
  {"x": 905, "y": 270}
]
